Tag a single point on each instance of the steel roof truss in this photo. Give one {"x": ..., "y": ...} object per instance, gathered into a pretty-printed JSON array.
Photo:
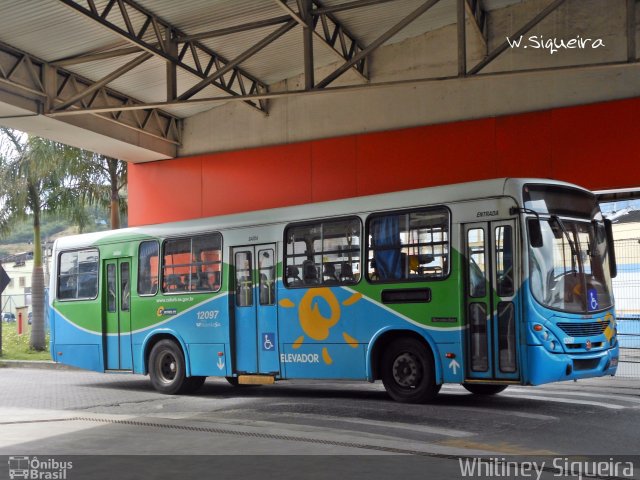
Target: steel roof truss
[
  {"x": 111, "y": 18},
  {"x": 332, "y": 30},
  {"x": 495, "y": 53}
]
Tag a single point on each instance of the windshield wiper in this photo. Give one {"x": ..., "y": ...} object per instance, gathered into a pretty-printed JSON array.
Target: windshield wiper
[{"x": 574, "y": 252}]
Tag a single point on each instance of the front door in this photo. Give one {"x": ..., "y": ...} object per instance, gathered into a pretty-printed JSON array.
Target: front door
[
  {"x": 117, "y": 325},
  {"x": 254, "y": 303},
  {"x": 490, "y": 290}
]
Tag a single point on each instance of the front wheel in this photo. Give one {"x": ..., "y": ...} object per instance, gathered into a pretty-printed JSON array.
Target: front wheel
[
  {"x": 408, "y": 374},
  {"x": 480, "y": 389},
  {"x": 167, "y": 369}
]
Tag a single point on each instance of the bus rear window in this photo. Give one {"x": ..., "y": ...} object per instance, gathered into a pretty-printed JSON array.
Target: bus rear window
[{"x": 78, "y": 275}]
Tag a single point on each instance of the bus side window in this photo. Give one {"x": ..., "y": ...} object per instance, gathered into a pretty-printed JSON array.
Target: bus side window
[{"x": 148, "y": 255}]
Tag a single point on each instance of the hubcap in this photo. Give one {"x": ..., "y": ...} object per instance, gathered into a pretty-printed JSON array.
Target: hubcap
[
  {"x": 167, "y": 367},
  {"x": 406, "y": 370}
]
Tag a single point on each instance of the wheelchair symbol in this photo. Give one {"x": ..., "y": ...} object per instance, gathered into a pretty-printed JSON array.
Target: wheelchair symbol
[
  {"x": 268, "y": 342},
  {"x": 593, "y": 299}
]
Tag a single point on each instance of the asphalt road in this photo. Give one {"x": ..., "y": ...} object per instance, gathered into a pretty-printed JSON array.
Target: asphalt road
[{"x": 63, "y": 413}]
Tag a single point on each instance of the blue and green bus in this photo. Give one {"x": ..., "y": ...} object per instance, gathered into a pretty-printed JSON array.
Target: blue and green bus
[{"x": 484, "y": 284}]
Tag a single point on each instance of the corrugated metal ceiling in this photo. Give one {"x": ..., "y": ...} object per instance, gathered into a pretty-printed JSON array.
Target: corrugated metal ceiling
[{"x": 52, "y": 31}]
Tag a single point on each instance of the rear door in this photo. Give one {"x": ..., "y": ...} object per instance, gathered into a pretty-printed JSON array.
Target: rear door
[{"x": 117, "y": 323}]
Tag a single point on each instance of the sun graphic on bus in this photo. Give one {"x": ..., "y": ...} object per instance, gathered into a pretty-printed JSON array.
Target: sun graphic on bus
[{"x": 314, "y": 324}]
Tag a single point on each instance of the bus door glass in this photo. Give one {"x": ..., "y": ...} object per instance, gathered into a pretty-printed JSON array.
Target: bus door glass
[
  {"x": 256, "y": 325},
  {"x": 117, "y": 325},
  {"x": 491, "y": 270}
]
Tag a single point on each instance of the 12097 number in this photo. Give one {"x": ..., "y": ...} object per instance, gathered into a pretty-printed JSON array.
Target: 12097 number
[{"x": 208, "y": 314}]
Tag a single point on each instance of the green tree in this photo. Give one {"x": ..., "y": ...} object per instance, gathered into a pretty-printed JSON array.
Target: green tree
[
  {"x": 35, "y": 180},
  {"x": 102, "y": 181}
]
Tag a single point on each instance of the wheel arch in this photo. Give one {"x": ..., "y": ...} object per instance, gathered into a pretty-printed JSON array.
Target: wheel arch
[
  {"x": 385, "y": 336},
  {"x": 156, "y": 336}
]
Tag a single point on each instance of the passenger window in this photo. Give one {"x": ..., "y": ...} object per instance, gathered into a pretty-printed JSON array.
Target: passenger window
[
  {"x": 504, "y": 261},
  {"x": 111, "y": 288},
  {"x": 192, "y": 264},
  {"x": 148, "y": 256},
  {"x": 408, "y": 246},
  {"x": 267, "y": 273},
  {"x": 323, "y": 253},
  {"x": 244, "y": 279},
  {"x": 78, "y": 275},
  {"x": 125, "y": 288},
  {"x": 477, "y": 262}
]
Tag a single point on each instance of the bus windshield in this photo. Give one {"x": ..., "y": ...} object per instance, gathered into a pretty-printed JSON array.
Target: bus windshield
[{"x": 570, "y": 271}]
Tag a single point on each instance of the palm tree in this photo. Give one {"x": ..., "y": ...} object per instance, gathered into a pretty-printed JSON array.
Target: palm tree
[
  {"x": 102, "y": 179},
  {"x": 34, "y": 181}
]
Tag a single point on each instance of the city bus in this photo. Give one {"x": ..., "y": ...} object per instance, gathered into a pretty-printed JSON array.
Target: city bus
[{"x": 484, "y": 284}]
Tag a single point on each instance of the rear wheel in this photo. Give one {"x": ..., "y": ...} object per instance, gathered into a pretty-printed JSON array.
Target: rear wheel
[
  {"x": 408, "y": 374},
  {"x": 167, "y": 369},
  {"x": 480, "y": 389}
]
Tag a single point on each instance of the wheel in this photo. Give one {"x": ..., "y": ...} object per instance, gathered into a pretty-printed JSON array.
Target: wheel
[
  {"x": 408, "y": 374},
  {"x": 167, "y": 369},
  {"x": 480, "y": 389}
]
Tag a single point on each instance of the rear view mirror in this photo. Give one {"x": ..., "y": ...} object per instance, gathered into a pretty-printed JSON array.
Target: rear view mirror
[
  {"x": 535, "y": 232},
  {"x": 613, "y": 268}
]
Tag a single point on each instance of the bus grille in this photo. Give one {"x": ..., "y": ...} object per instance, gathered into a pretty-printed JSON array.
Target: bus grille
[{"x": 583, "y": 329}]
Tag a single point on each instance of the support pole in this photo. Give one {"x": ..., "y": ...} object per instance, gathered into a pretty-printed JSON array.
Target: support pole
[{"x": 462, "y": 39}]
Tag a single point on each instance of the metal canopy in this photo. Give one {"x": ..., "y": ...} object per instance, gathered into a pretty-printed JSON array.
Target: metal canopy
[{"x": 146, "y": 64}]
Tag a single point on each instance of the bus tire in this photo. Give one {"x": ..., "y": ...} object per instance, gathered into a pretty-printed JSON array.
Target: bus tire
[
  {"x": 167, "y": 368},
  {"x": 408, "y": 373},
  {"x": 480, "y": 389}
]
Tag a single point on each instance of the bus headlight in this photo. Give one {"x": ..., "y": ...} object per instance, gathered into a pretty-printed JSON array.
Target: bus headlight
[{"x": 546, "y": 338}]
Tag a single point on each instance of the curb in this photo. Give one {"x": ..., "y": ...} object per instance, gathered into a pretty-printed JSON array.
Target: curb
[{"x": 39, "y": 364}]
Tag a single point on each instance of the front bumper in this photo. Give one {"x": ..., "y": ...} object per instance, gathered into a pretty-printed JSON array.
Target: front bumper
[{"x": 547, "y": 367}]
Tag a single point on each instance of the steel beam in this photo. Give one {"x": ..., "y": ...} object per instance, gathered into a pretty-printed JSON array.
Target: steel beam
[
  {"x": 377, "y": 42},
  {"x": 342, "y": 89},
  {"x": 328, "y": 31},
  {"x": 304, "y": 6},
  {"x": 631, "y": 30},
  {"x": 505, "y": 45},
  {"x": 104, "y": 81},
  {"x": 462, "y": 38},
  {"x": 236, "y": 29},
  {"x": 192, "y": 56},
  {"x": 479, "y": 19},
  {"x": 348, "y": 6},
  {"x": 51, "y": 87},
  {"x": 232, "y": 65}
]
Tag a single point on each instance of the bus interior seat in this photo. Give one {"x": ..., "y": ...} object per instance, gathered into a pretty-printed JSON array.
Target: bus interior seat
[
  {"x": 346, "y": 272},
  {"x": 293, "y": 276},
  {"x": 309, "y": 272},
  {"x": 329, "y": 274}
]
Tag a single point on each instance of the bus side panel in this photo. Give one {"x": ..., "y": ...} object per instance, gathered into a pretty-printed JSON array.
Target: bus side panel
[
  {"x": 201, "y": 320},
  {"x": 77, "y": 345},
  {"x": 325, "y": 332}
]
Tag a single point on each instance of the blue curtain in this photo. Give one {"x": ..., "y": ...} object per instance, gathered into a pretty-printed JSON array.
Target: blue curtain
[{"x": 387, "y": 256}]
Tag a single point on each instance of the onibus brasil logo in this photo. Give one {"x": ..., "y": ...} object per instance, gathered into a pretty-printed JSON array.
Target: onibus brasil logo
[{"x": 37, "y": 469}]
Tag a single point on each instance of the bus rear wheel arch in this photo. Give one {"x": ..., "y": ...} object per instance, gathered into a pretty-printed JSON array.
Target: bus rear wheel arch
[
  {"x": 167, "y": 369},
  {"x": 407, "y": 371}
]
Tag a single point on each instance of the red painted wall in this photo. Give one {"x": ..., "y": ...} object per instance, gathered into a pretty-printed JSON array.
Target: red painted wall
[{"x": 597, "y": 146}]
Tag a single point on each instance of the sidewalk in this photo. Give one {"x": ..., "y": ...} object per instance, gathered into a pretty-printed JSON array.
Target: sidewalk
[{"x": 42, "y": 364}]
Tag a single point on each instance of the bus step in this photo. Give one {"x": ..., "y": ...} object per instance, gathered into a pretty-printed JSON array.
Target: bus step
[{"x": 256, "y": 379}]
